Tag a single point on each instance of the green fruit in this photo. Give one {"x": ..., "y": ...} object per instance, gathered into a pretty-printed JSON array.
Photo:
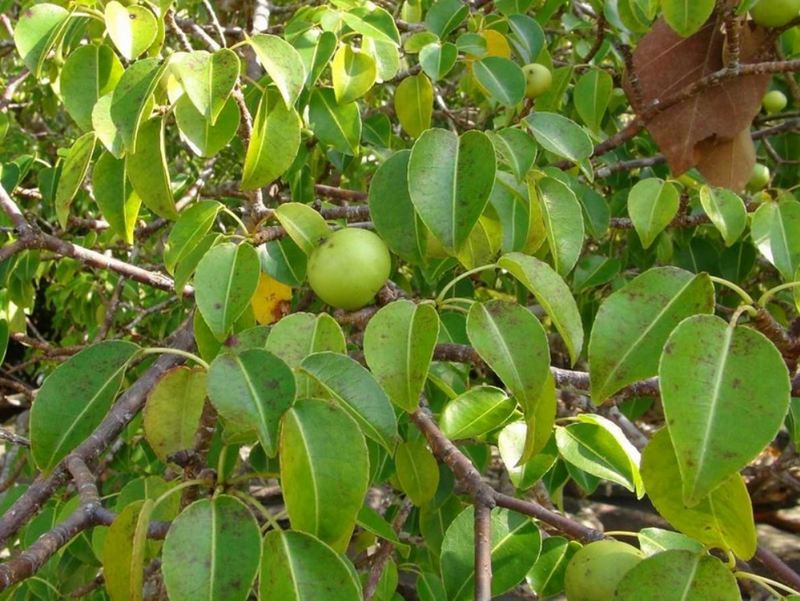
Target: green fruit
[
  {"x": 538, "y": 79},
  {"x": 594, "y": 572},
  {"x": 759, "y": 179},
  {"x": 775, "y": 13},
  {"x": 774, "y": 101},
  {"x": 348, "y": 268}
]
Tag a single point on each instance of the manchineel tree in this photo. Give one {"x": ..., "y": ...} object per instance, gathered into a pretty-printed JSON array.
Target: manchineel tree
[{"x": 381, "y": 299}]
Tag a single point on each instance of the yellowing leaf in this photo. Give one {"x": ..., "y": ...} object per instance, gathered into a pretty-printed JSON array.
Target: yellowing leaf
[
  {"x": 271, "y": 300},
  {"x": 496, "y": 43}
]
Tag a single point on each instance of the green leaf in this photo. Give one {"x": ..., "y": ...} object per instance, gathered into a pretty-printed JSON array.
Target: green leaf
[
  {"x": 526, "y": 36},
  {"x": 89, "y": 73},
  {"x": 371, "y": 521},
  {"x": 303, "y": 224},
  {"x": 563, "y": 222},
  {"x": 104, "y": 126},
  {"x": 511, "y": 443},
  {"x": 516, "y": 543},
  {"x": 338, "y": 126},
  {"x": 546, "y": 578},
  {"x": 374, "y": 23},
  {"x": 3, "y": 339},
  {"x": 282, "y": 63},
  {"x": 720, "y": 419},
  {"x": 273, "y": 145},
  {"x": 323, "y": 494},
  {"x": 445, "y": 16},
  {"x": 132, "y": 99},
  {"x": 437, "y": 59},
  {"x": 132, "y": 28},
  {"x": 173, "y": 409},
  {"x": 476, "y": 412},
  {"x": 39, "y": 29},
  {"x": 633, "y": 324},
  {"x": 398, "y": 347},
  {"x": 187, "y": 264},
  {"x": 212, "y": 551},
  {"x": 656, "y": 540},
  {"x": 252, "y": 389},
  {"x": 417, "y": 471},
  {"x": 482, "y": 244},
  {"x": 123, "y": 552},
  {"x": 353, "y": 73},
  {"x": 591, "y": 97},
  {"x": 726, "y": 210},
  {"x": 502, "y": 78},
  {"x": 413, "y": 103},
  {"x": 74, "y": 399},
  {"x": 679, "y": 576},
  {"x": 776, "y": 234},
  {"x": 208, "y": 79},
  {"x": 686, "y": 18},
  {"x": 115, "y": 196},
  {"x": 357, "y": 392},
  {"x": 295, "y": 565},
  {"x": 560, "y": 135},
  {"x": 515, "y": 148},
  {"x": 225, "y": 281},
  {"x": 148, "y": 170},
  {"x": 316, "y": 49},
  {"x": 73, "y": 172},
  {"x": 652, "y": 205},
  {"x": 192, "y": 225},
  {"x": 514, "y": 210},
  {"x": 392, "y": 211},
  {"x": 723, "y": 519},
  {"x": 552, "y": 293},
  {"x": 450, "y": 180},
  {"x": 203, "y": 138}
]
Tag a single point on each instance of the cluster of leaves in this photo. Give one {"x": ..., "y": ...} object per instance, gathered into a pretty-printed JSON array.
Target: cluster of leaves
[{"x": 171, "y": 167}]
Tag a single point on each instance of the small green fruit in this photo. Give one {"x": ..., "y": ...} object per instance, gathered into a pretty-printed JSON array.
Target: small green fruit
[
  {"x": 759, "y": 179},
  {"x": 774, "y": 102},
  {"x": 348, "y": 269},
  {"x": 775, "y": 13},
  {"x": 538, "y": 79},
  {"x": 595, "y": 571}
]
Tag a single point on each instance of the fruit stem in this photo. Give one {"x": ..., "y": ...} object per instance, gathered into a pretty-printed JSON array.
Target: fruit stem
[
  {"x": 768, "y": 584},
  {"x": 767, "y": 296},
  {"x": 723, "y": 282}
]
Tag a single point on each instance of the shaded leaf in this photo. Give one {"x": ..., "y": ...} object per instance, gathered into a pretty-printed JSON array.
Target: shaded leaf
[{"x": 417, "y": 471}]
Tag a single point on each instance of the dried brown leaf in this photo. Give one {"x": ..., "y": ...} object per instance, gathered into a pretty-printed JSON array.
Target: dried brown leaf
[{"x": 728, "y": 164}]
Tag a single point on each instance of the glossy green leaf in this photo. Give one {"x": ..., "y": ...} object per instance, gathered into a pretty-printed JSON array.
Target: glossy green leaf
[
  {"x": 502, "y": 78},
  {"x": 482, "y": 244},
  {"x": 273, "y": 145},
  {"x": 323, "y": 494},
  {"x": 225, "y": 281},
  {"x": 73, "y": 172},
  {"x": 374, "y": 22},
  {"x": 552, "y": 293},
  {"x": 252, "y": 389},
  {"x": 208, "y": 79},
  {"x": 445, "y": 15},
  {"x": 282, "y": 63},
  {"x": 546, "y": 578},
  {"x": 450, "y": 180},
  {"x": 560, "y": 135},
  {"x": 479, "y": 410},
  {"x": 38, "y": 30},
  {"x": 353, "y": 73},
  {"x": 679, "y": 576},
  {"x": 192, "y": 225},
  {"x": 686, "y": 18},
  {"x": 132, "y": 28},
  {"x": 132, "y": 99},
  {"x": 633, "y": 324},
  {"x": 104, "y": 126},
  {"x": 592, "y": 95},
  {"x": 511, "y": 443},
  {"x": 656, "y": 540},
  {"x": 89, "y": 73},
  {"x": 357, "y": 392},
  {"x": 122, "y": 552},
  {"x": 74, "y": 399},
  {"x": 720, "y": 419},
  {"x": 212, "y": 551},
  {"x": 413, "y": 103},
  {"x": 515, "y": 542},
  {"x": 372, "y": 521},
  {"x": 173, "y": 409},
  {"x": 392, "y": 211},
  {"x": 398, "y": 347},
  {"x": 652, "y": 205},
  {"x": 316, "y": 50},
  {"x": 203, "y": 138},
  {"x": 776, "y": 234},
  {"x": 520, "y": 220},
  {"x": 526, "y": 36},
  {"x": 148, "y": 170},
  {"x": 437, "y": 59},
  {"x": 727, "y": 212},
  {"x": 338, "y": 126},
  {"x": 417, "y": 471},
  {"x": 303, "y": 224},
  {"x": 723, "y": 519},
  {"x": 115, "y": 196},
  {"x": 515, "y": 148},
  {"x": 563, "y": 222},
  {"x": 185, "y": 268},
  {"x": 295, "y": 565}
]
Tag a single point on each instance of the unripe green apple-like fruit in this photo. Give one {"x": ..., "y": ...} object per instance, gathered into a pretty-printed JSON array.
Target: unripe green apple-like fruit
[
  {"x": 775, "y": 13},
  {"x": 595, "y": 571},
  {"x": 538, "y": 79},
  {"x": 759, "y": 179},
  {"x": 348, "y": 268},
  {"x": 774, "y": 101}
]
